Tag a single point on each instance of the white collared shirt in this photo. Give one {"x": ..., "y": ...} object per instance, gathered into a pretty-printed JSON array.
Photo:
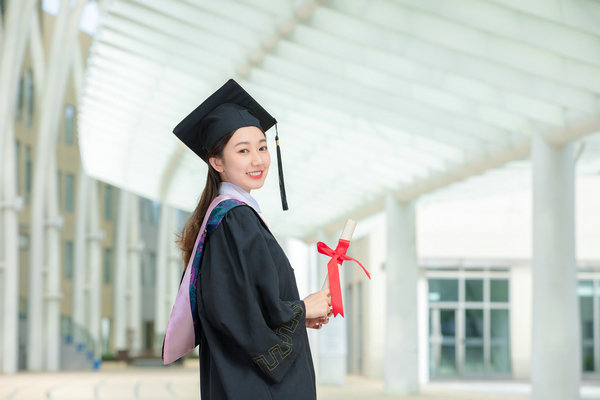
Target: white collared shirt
[{"x": 234, "y": 190}]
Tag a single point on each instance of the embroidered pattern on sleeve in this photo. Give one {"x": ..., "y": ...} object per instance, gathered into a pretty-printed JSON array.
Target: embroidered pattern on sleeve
[{"x": 278, "y": 353}]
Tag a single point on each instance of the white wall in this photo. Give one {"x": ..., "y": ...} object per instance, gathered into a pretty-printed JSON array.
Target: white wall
[{"x": 499, "y": 226}]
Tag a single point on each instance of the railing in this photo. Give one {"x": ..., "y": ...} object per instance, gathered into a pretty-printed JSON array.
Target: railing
[{"x": 77, "y": 337}]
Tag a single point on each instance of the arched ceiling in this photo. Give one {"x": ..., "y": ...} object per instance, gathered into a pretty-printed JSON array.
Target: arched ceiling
[{"x": 371, "y": 96}]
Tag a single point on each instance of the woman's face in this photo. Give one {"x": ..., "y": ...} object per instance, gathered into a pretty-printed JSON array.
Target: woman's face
[{"x": 246, "y": 159}]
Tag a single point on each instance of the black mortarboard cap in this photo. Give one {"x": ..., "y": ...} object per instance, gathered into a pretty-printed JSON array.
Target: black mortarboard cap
[{"x": 223, "y": 112}]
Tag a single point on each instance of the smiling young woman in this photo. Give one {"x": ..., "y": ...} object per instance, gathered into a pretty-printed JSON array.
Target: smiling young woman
[{"x": 238, "y": 299}]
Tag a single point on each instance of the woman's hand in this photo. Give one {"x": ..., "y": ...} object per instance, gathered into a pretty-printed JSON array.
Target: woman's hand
[
  {"x": 318, "y": 304},
  {"x": 317, "y": 323}
]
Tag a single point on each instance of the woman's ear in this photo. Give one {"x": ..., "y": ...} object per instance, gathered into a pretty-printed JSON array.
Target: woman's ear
[{"x": 217, "y": 164}]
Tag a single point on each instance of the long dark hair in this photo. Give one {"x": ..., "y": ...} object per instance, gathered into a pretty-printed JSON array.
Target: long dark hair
[{"x": 192, "y": 226}]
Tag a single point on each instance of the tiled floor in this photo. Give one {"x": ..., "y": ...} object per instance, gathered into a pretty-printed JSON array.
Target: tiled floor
[{"x": 182, "y": 383}]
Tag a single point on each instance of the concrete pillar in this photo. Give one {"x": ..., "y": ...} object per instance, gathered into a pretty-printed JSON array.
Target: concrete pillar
[
  {"x": 136, "y": 247},
  {"x": 556, "y": 339},
  {"x": 402, "y": 340},
  {"x": 80, "y": 296},
  {"x": 94, "y": 283},
  {"x": 9, "y": 258},
  {"x": 333, "y": 348},
  {"x": 53, "y": 295},
  {"x": 120, "y": 306}
]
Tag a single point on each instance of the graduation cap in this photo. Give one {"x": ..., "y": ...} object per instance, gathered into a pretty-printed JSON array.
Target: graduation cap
[{"x": 223, "y": 112}]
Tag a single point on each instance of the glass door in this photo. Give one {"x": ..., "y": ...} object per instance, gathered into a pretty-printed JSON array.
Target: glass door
[
  {"x": 469, "y": 327},
  {"x": 474, "y": 359},
  {"x": 442, "y": 342}
]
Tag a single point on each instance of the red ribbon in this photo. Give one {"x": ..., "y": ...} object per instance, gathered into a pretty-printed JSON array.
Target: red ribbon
[{"x": 338, "y": 256}]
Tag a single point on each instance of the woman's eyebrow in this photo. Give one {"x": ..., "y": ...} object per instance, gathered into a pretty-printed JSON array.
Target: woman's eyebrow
[{"x": 247, "y": 143}]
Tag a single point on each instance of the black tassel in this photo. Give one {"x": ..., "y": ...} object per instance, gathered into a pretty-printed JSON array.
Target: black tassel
[{"x": 284, "y": 203}]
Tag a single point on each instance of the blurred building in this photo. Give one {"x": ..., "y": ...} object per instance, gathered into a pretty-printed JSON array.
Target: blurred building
[{"x": 80, "y": 348}]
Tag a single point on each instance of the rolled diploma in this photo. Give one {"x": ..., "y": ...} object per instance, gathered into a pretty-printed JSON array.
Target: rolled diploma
[{"x": 347, "y": 233}]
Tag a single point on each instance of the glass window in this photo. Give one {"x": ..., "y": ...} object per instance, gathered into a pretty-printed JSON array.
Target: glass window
[
  {"x": 585, "y": 291},
  {"x": 20, "y": 99},
  {"x": 69, "y": 124},
  {"x": 474, "y": 323},
  {"x": 18, "y": 165},
  {"x": 447, "y": 360},
  {"x": 474, "y": 340},
  {"x": 443, "y": 290},
  {"x": 148, "y": 268},
  {"x": 68, "y": 272},
  {"x": 499, "y": 341},
  {"x": 474, "y": 358},
  {"x": 108, "y": 265},
  {"x": 29, "y": 93},
  {"x": 23, "y": 241},
  {"x": 447, "y": 346},
  {"x": 59, "y": 188},
  {"x": 28, "y": 173},
  {"x": 69, "y": 192},
  {"x": 108, "y": 202},
  {"x": 483, "y": 336},
  {"x": 149, "y": 211},
  {"x": 499, "y": 290},
  {"x": 447, "y": 323},
  {"x": 473, "y": 289}
]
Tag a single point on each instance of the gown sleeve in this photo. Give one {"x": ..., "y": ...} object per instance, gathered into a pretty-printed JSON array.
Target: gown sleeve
[{"x": 242, "y": 298}]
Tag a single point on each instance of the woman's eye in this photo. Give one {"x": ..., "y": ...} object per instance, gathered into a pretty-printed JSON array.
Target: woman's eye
[
  {"x": 243, "y": 151},
  {"x": 264, "y": 148}
]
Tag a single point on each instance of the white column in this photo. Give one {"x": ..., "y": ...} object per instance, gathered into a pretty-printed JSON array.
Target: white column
[
  {"x": 64, "y": 37},
  {"x": 12, "y": 53},
  {"x": 333, "y": 348},
  {"x": 80, "y": 296},
  {"x": 9, "y": 259},
  {"x": 135, "y": 279},
  {"x": 556, "y": 340},
  {"x": 401, "y": 341},
  {"x": 94, "y": 283},
  {"x": 120, "y": 285},
  {"x": 163, "y": 303},
  {"x": 53, "y": 295}
]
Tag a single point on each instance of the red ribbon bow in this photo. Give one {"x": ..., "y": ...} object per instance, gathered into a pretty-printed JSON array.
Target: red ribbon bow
[{"x": 338, "y": 256}]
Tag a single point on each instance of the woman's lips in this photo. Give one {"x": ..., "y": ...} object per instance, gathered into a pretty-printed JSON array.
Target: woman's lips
[{"x": 255, "y": 174}]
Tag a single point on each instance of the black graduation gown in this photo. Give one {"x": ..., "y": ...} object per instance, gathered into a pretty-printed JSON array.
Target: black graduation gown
[{"x": 253, "y": 342}]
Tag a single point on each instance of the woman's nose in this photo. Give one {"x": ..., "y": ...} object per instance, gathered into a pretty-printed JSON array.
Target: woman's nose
[{"x": 257, "y": 158}]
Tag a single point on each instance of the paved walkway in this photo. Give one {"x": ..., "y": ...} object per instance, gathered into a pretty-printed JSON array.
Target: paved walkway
[{"x": 182, "y": 383}]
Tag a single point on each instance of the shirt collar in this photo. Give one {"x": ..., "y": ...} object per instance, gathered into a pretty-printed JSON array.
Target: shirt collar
[{"x": 236, "y": 191}]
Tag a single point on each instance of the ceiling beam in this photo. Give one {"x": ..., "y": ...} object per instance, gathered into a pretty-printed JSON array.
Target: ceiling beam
[
  {"x": 398, "y": 28},
  {"x": 505, "y": 24},
  {"x": 581, "y": 15}
]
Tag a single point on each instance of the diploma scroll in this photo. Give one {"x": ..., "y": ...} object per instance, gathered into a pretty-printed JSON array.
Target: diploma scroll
[{"x": 338, "y": 256}]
